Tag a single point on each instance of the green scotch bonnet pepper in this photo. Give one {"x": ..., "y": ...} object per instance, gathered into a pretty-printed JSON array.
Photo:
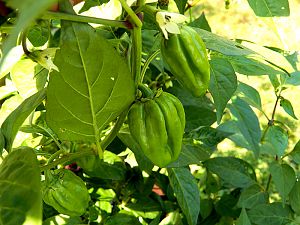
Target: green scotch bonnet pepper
[
  {"x": 186, "y": 56},
  {"x": 157, "y": 125},
  {"x": 65, "y": 192}
]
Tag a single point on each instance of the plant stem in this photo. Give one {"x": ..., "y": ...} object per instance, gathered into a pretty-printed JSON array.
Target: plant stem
[
  {"x": 148, "y": 61},
  {"x": 55, "y": 155},
  {"x": 113, "y": 133},
  {"x": 84, "y": 19},
  {"x": 131, "y": 13},
  {"x": 23, "y": 41},
  {"x": 136, "y": 56},
  {"x": 66, "y": 158},
  {"x": 275, "y": 106},
  {"x": 268, "y": 182}
]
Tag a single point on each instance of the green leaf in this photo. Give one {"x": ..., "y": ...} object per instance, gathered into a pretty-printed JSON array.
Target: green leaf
[
  {"x": 26, "y": 16},
  {"x": 172, "y": 218},
  {"x": 237, "y": 137},
  {"x": 243, "y": 219},
  {"x": 209, "y": 136},
  {"x": 20, "y": 194},
  {"x": 145, "y": 207},
  {"x": 252, "y": 65},
  {"x": 62, "y": 220},
  {"x": 199, "y": 111},
  {"x": 295, "y": 154},
  {"x": 233, "y": 171},
  {"x": 14, "y": 121},
  {"x": 144, "y": 163},
  {"x": 2, "y": 142},
  {"x": 270, "y": 8},
  {"x": 249, "y": 95},
  {"x": 89, "y": 91},
  {"x": 27, "y": 77},
  {"x": 273, "y": 57},
  {"x": 252, "y": 196},
  {"x": 191, "y": 154},
  {"x": 295, "y": 198},
  {"x": 284, "y": 178},
  {"x": 10, "y": 60},
  {"x": 221, "y": 44},
  {"x": 275, "y": 141},
  {"x": 247, "y": 123},
  {"x": 39, "y": 34},
  {"x": 293, "y": 79},
  {"x": 206, "y": 207},
  {"x": 201, "y": 22},
  {"x": 288, "y": 108},
  {"x": 122, "y": 218},
  {"x": 91, "y": 3},
  {"x": 187, "y": 192},
  {"x": 223, "y": 84},
  {"x": 181, "y": 4},
  {"x": 212, "y": 184},
  {"x": 271, "y": 214}
]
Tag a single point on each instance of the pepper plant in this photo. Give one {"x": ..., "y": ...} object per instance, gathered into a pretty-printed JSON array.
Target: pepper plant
[{"x": 118, "y": 121}]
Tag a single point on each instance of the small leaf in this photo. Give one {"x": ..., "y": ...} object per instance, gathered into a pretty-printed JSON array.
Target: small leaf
[
  {"x": 187, "y": 193},
  {"x": 249, "y": 95},
  {"x": 181, "y": 4},
  {"x": 295, "y": 154},
  {"x": 233, "y": 171},
  {"x": 89, "y": 91},
  {"x": 270, "y": 8},
  {"x": 288, "y": 108},
  {"x": 275, "y": 141},
  {"x": 295, "y": 198},
  {"x": 201, "y": 22},
  {"x": 206, "y": 207},
  {"x": 20, "y": 194},
  {"x": 252, "y": 196},
  {"x": 243, "y": 219},
  {"x": 223, "y": 84},
  {"x": 271, "y": 214},
  {"x": 284, "y": 178},
  {"x": 247, "y": 123},
  {"x": 14, "y": 121}
]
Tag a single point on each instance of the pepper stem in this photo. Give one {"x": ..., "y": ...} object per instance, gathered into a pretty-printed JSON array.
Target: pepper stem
[{"x": 146, "y": 91}]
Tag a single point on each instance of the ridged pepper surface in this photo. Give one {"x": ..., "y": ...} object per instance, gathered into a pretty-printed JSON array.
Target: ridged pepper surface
[
  {"x": 186, "y": 56},
  {"x": 65, "y": 192},
  {"x": 157, "y": 125}
]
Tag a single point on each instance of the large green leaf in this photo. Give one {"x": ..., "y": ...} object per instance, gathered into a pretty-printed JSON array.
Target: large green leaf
[
  {"x": 233, "y": 171},
  {"x": 15, "y": 120},
  {"x": 93, "y": 85},
  {"x": 221, "y": 44},
  {"x": 275, "y": 141},
  {"x": 249, "y": 95},
  {"x": 187, "y": 192},
  {"x": 270, "y": 8},
  {"x": 223, "y": 84},
  {"x": 252, "y": 196},
  {"x": 20, "y": 195},
  {"x": 247, "y": 122},
  {"x": 28, "y": 10},
  {"x": 288, "y": 107},
  {"x": 284, "y": 178},
  {"x": 271, "y": 214}
]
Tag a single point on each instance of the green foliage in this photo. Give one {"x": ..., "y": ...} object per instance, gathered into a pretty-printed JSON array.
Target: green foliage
[{"x": 68, "y": 85}]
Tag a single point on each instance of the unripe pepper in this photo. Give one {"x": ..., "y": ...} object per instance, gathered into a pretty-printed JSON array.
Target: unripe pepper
[
  {"x": 157, "y": 125},
  {"x": 65, "y": 192},
  {"x": 186, "y": 56}
]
